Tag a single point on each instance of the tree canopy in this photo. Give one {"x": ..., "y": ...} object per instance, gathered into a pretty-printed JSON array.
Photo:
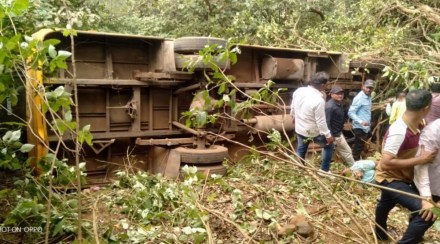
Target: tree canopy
[{"x": 402, "y": 34}]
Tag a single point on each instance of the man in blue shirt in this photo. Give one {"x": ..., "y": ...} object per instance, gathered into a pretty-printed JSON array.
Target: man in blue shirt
[{"x": 360, "y": 115}]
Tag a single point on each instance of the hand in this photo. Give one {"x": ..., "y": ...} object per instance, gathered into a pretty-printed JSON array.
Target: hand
[
  {"x": 365, "y": 123},
  {"x": 427, "y": 156},
  {"x": 426, "y": 212},
  {"x": 330, "y": 140}
]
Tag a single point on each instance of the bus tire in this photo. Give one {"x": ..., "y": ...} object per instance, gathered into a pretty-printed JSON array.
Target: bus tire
[
  {"x": 214, "y": 154},
  {"x": 188, "y": 45}
]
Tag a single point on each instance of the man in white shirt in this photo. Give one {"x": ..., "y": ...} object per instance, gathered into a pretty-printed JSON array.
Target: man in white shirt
[
  {"x": 427, "y": 176},
  {"x": 308, "y": 112}
]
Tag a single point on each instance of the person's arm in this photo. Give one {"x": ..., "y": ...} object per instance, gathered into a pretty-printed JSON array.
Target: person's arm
[
  {"x": 392, "y": 144},
  {"x": 429, "y": 140},
  {"x": 352, "y": 111},
  {"x": 329, "y": 111},
  {"x": 321, "y": 120},
  {"x": 393, "y": 115},
  {"x": 292, "y": 106},
  {"x": 389, "y": 161},
  {"x": 421, "y": 180}
]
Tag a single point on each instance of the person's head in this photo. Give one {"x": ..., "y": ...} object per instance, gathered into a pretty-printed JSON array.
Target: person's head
[
  {"x": 418, "y": 100},
  {"x": 319, "y": 80},
  {"x": 401, "y": 96},
  {"x": 435, "y": 87},
  {"x": 368, "y": 87},
  {"x": 337, "y": 93}
]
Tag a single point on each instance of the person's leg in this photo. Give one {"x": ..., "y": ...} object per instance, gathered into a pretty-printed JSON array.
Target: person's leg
[
  {"x": 303, "y": 144},
  {"x": 327, "y": 152},
  {"x": 359, "y": 140},
  {"x": 417, "y": 226},
  {"x": 384, "y": 206},
  {"x": 344, "y": 150}
]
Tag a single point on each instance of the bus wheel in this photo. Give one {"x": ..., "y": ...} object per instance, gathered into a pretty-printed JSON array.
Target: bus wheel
[
  {"x": 214, "y": 154},
  {"x": 190, "y": 45}
]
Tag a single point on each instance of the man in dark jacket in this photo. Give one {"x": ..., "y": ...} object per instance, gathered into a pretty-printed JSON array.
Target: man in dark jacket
[{"x": 335, "y": 116}]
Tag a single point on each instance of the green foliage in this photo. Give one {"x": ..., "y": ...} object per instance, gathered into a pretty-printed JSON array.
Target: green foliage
[
  {"x": 152, "y": 201},
  {"x": 409, "y": 74},
  {"x": 391, "y": 32},
  {"x": 57, "y": 99},
  {"x": 12, "y": 154},
  {"x": 31, "y": 207},
  {"x": 220, "y": 84}
]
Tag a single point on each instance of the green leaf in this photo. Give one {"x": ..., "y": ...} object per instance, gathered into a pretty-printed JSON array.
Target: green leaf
[
  {"x": 64, "y": 54},
  {"x": 222, "y": 88},
  {"x": 13, "y": 42},
  {"x": 59, "y": 91},
  {"x": 52, "y": 52},
  {"x": 68, "y": 116},
  {"x": 436, "y": 211},
  {"x": 72, "y": 203},
  {"x": 61, "y": 64},
  {"x": 15, "y": 136},
  {"x": 85, "y": 136},
  {"x": 26, "y": 148},
  {"x": 13, "y": 99},
  {"x": 51, "y": 42},
  {"x": 437, "y": 225},
  {"x": 58, "y": 228},
  {"x": 19, "y": 6}
]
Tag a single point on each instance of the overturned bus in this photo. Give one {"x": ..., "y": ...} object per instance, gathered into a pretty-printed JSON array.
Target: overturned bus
[{"x": 132, "y": 91}]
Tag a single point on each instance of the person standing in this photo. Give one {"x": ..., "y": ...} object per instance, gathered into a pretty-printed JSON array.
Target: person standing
[
  {"x": 360, "y": 115},
  {"x": 398, "y": 108},
  {"x": 434, "y": 112},
  {"x": 335, "y": 117},
  {"x": 396, "y": 169},
  {"x": 308, "y": 112}
]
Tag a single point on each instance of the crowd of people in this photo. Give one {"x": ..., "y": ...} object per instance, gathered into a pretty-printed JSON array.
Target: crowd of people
[{"x": 410, "y": 157}]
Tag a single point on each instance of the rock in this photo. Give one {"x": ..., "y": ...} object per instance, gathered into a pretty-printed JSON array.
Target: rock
[
  {"x": 303, "y": 227},
  {"x": 286, "y": 230}
]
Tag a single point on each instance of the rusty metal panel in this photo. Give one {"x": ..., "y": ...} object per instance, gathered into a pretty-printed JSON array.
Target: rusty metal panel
[
  {"x": 125, "y": 71},
  {"x": 243, "y": 71},
  {"x": 97, "y": 122},
  {"x": 145, "y": 108},
  {"x": 92, "y": 108},
  {"x": 89, "y": 70},
  {"x": 130, "y": 54},
  {"x": 161, "y": 106},
  {"x": 90, "y": 52},
  {"x": 119, "y": 117},
  {"x": 282, "y": 68},
  {"x": 92, "y": 100},
  {"x": 163, "y": 56}
]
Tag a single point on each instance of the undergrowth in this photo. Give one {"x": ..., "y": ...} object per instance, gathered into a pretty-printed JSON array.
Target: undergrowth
[{"x": 254, "y": 202}]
